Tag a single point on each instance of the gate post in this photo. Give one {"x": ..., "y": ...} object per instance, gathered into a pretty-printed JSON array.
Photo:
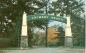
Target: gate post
[
  {"x": 24, "y": 36},
  {"x": 68, "y": 34}
]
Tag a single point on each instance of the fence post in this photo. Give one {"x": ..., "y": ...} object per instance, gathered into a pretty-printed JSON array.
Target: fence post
[
  {"x": 68, "y": 34},
  {"x": 24, "y": 36}
]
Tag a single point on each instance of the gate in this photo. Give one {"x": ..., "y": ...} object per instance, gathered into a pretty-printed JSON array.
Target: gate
[{"x": 39, "y": 34}]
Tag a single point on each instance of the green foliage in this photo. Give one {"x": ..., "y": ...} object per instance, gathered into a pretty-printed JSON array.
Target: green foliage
[
  {"x": 4, "y": 42},
  {"x": 13, "y": 10},
  {"x": 67, "y": 7}
]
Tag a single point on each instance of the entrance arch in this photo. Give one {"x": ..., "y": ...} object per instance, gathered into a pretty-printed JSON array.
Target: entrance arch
[{"x": 68, "y": 35}]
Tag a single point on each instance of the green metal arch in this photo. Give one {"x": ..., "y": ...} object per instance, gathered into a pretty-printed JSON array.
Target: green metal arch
[{"x": 49, "y": 17}]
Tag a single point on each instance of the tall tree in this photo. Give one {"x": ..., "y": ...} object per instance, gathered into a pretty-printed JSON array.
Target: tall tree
[
  {"x": 11, "y": 12},
  {"x": 67, "y": 7}
]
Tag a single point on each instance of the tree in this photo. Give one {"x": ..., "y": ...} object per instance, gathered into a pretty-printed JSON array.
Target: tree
[
  {"x": 61, "y": 36},
  {"x": 38, "y": 23},
  {"x": 13, "y": 10},
  {"x": 67, "y": 7}
]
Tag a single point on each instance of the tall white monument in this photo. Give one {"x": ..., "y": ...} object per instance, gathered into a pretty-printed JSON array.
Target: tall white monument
[
  {"x": 24, "y": 35},
  {"x": 68, "y": 33}
]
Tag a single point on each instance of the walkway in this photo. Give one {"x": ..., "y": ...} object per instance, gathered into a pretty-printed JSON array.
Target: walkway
[{"x": 47, "y": 50}]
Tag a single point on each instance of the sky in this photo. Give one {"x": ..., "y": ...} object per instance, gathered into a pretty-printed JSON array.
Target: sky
[
  {"x": 54, "y": 0},
  {"x": 85, "y": 7},
  {"x": 56, "y": 23}
]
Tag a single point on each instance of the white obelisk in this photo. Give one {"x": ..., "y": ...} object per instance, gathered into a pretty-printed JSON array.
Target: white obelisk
[
  {"x": 68, "y": 33},
  {"x": 24, "y": 35}
]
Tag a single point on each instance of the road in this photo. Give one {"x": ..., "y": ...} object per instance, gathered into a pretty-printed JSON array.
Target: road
[{"x": 47, "y": 50}]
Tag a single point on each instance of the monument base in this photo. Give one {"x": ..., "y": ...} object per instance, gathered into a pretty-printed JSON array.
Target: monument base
[
  {"x": 24, "y": 42},
  {"x": 68, "y": 41}
]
